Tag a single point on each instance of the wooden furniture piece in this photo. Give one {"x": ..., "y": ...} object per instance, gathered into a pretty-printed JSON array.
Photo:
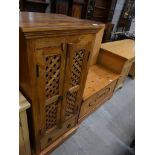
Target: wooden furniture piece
[
  {"x": 59, "y": 6},
  {"x": 101, "y": 10},
  {"x": 33, "y": 5},
  {"x": 118, "y": 56},
  {"x": 100, "y": 85},
  {"x": 24, "y": 143},
  {"x": 77, "y": 7},
  {"x": 127, "y": 14},
  {"x": 107, "y": 32},
  {"x": 54, "y": 61},
  {"x": 72, "y": 8},
  {"x": 132, "y": 71},
  {"x": 62, "y": 7}
]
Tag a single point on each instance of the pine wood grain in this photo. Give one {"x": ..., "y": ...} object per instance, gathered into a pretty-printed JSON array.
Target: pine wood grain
[
  {"x": 118, "y": 56},
  {"x": 100, "y": 86},
  {"x": 98, "y": 77},
  {"x": 124, "y": 48}
]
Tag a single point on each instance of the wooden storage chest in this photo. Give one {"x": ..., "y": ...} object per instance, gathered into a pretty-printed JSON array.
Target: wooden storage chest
[
  {"x": 100, "y": 85},
  {"x": 132, "y": 71},
  {"x": 118, "y": 56},
  {"x": 54, "y": 60}
]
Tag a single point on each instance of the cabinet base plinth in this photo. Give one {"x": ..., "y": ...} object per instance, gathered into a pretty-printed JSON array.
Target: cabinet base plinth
[{"x": 59, "y": 141}]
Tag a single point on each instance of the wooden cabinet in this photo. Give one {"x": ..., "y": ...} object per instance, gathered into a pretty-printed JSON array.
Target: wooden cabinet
[
  {"x": 33, "y": 5},
  {"x": 54, "y": 60},
  {"x": 24, "y": 143},
  {"x": 118, "y": 56},
  {"x": 101, "y": 10},
  {"x": 77, "y": 8}
]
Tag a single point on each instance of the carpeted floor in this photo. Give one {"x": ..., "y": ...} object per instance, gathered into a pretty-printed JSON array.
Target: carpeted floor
[{"x": 109, "y": 130}]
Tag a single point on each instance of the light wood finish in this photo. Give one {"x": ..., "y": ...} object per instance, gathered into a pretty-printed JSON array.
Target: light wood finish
[
  {"x": 97, "y": 79},
  {"x": 118, "y": 56},
  {"x": 24, "y": 143},
  {"x": 111, "y": 61},
  {"x": 132, "y": 71},
  {"x": 54, "y": 60},
  {"x": 59, "y": 141},
  {"x": 124, "y": 48},
  {"x": 99, "y": 88},
  {"x": 97, "y": 45}
]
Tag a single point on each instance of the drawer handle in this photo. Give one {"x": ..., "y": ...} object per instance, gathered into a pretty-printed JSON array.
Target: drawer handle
[
  {"x": 49, "y": 139},
  {"x": 90, "y": 105},
  {"x": 107, "y": 90},
  {"x": 69, "y": 125}
]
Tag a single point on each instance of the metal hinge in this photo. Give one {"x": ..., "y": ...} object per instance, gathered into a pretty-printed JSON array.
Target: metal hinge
[
  {"x": 37, "y": 71},
  {"x": 60, "y": 98}
]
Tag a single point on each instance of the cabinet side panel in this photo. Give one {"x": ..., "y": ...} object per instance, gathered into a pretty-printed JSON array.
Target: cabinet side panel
[
  {"x": 96, "y": 47},
  {"x": 24, "y": 78}
]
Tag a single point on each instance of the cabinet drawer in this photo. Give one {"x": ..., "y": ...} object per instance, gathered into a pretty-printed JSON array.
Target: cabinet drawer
[
  {"x": 51, "y": 137},
  {"x": 94, "y": 101}
]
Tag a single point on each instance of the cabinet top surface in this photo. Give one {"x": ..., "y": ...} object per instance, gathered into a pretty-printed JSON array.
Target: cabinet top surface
[
  {"x": 32, "y": 22},
  {"x": 124, "y": 48}
]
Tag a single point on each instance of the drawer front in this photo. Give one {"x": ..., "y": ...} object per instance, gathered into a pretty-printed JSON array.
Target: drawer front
[
  {"x": 97, "y": 99},
  {"x": 51, "y": 137}
]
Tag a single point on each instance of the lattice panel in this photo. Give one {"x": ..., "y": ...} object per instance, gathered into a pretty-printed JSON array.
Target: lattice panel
[
  {"x": 51, "y": 115},
  {"x": 75, "y": 80},
  {"x": 52, "y": 75},
  {"x": 76, "y": 68},
  {"x": 70, "y": 108}
]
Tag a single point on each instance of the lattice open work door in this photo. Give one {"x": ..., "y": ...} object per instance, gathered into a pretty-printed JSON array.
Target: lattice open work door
[
  {"x": 77, "y": 58},
  {"x": 51, "y": 64}
]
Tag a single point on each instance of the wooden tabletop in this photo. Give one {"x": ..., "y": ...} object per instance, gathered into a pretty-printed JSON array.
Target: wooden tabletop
[
  {"x": 32, "y": 21},
  {"x": 124, "y": 48},
  {"x": 23, "y": 103}
]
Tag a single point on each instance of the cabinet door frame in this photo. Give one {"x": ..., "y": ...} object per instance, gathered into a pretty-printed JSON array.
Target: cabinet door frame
[
  {"x": 73, "y": 48},
  {"x": 41, "y": 69}
]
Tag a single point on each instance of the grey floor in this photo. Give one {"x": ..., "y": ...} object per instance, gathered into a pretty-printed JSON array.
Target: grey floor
[{"x": 109, "y": 130}]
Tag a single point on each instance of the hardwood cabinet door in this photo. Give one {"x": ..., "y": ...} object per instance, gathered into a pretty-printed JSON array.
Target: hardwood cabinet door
[
  {"x": 75, "y": 77},
  {"x": 50, "y": 65}
]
